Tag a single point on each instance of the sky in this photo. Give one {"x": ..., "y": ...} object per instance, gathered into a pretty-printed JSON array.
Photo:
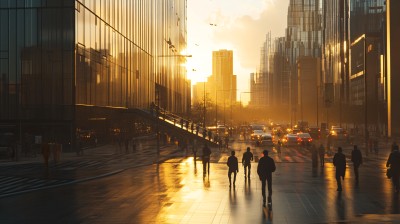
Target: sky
[{"x": 238, "y": 25}]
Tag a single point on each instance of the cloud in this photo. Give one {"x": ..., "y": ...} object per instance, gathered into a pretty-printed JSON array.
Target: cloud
[{"x": 247, "y": 33}]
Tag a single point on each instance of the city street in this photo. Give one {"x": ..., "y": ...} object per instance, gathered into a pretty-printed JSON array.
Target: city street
[{"x": 176, "y": 192}]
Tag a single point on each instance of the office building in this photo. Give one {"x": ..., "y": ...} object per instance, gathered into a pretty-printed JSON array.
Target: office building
[
  {"x": 69, "y": 65},
  {"x": 367, "y": 76},
  {"x": 222, "y": 81}
]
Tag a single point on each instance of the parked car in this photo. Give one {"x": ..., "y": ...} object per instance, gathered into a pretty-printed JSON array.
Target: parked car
[
  {"x": 304, "y": 139},
  {"x": 289, "y": 140}
]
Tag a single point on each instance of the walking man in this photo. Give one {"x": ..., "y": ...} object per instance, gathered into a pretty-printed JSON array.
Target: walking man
[
  {"x": 246, "y": 161},
  {"x": 233, "y": 168},
  {"x": 266, "y": 166},
  {"x": 393, "y": 163},
  {"x": 321, "y": 152},
  {"x": 339, "y": 160},
  {"x": 314, "y": 155},
  {"x": 356, "y": 158},
  {"x": 206, "y": 159},
  {"x": 278, "y": 147}
]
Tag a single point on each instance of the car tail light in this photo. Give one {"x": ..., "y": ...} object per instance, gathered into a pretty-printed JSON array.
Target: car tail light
[
  {"x": 310, "y": 139},
  {"x": 299, "y": 139}
]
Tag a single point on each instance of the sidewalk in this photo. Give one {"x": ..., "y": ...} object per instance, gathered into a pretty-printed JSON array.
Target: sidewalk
[{"x": 30, "y": 173}]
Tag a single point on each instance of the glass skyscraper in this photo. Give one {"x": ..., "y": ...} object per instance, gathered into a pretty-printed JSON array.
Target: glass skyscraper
[{"x": 76, "y": 64}]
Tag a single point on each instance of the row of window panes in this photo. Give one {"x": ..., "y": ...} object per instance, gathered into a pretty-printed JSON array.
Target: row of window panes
[{"x": 133, "y": 20}]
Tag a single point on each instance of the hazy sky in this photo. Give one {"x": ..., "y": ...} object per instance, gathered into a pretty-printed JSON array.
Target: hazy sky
[{"x": 241, "y": 26}]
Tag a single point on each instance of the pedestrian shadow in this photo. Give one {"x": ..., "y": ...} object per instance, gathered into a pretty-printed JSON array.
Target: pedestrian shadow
[
  {"x": 314, "y": 171},
  {"x": 232, "y": 199},
  {"x": 267, "y": 214},
  {"x": 340, "y": 206},
  {"x": 206, "y": 181},
  {"x": 247, "y": 190},
  {"x": 395, "y": 203}
]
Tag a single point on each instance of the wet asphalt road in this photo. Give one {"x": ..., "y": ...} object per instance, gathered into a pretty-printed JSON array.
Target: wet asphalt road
[{"x": 176, "y": 192}]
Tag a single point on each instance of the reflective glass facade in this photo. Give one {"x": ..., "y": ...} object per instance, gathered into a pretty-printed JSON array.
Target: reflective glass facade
[{"x": 60, "y": 57}]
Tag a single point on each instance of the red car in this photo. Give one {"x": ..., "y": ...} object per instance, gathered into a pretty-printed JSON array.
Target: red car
[{"x": 304, "y": 138}]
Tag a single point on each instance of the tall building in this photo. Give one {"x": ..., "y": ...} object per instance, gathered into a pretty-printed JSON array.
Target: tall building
[
  {"x": 222, "y": 81},
  {"x": 335, "y": 51},
  {"x": 393, "y": 67},
  {"x": 303, "y": 32},
  {"x": 303, "y": 38},
  {"x": 258, "y": 90},
  {"x": 68, "y": 65},
  {"x": 309, "y": 98},
  {"x": 367, "y": 76}
]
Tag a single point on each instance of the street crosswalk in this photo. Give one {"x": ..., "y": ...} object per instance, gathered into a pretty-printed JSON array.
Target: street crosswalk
[
  {"x": 291, "y": 155},
  {"x": 29, "y": 176},
  {"x": 12, "y": 184}
]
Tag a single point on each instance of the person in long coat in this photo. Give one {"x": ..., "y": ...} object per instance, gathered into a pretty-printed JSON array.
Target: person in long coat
[
  {"x": 393, "y": 163},
  {"x": 266, "y": 166},
  {"x": 314, "y": 153},
  {"x": 233, "y": 168},
  {"x": 339, "y": 161},
  {"x": 356, "y": 158},
  {"x": 206, "y": 159}
]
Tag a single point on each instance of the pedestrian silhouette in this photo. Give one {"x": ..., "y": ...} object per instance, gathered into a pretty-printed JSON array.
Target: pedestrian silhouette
[
  {"x": 376, "y": 146},
  {"x": 356, "y": 158},
  {"x": 394, "y": 145},
  {"x": 321, "y": 152},
  {"x": 314, "y": 155},
  {"x": 233, "y": 168},
  {"x": 206, "y": 159},
  {"x": 278, "y": 147},
  {"x": 393, "y": 163},
  {"x": 246, "y": 161},
  {"x": 226, "y": 141},
  {"x": 266, "y": 166},
  {"x": 339, "y": 161}
]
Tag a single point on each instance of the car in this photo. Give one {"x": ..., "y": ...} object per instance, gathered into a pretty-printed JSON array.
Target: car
[
  {"x": 265, "y": 139},
  {"x": 338, "y": 133},
  {"x": 256, "y": 135},
  {"x": 315, "y": 132},
  {"x": 295, "y": 131},
  {"x": 289, "y": 140},
  {"x": 304, "y": 139}
]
